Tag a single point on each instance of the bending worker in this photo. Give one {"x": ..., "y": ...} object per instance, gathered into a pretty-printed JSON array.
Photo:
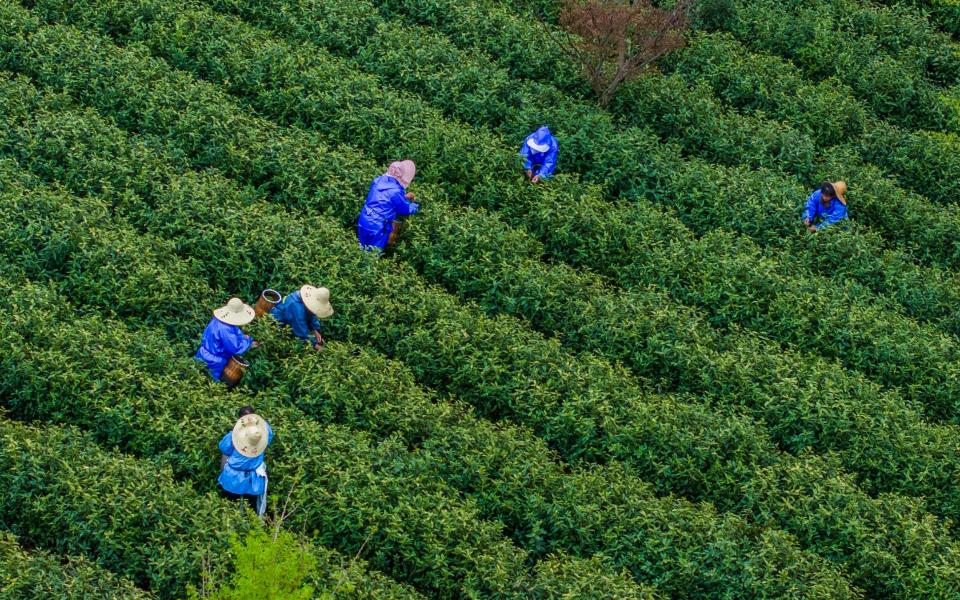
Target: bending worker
[
  {"x": 223, "y": 338},
  {"x": 826, "y": 206},
  {"x": 243, "y": 473},
  {"x": 539, "y": 153},
  {"x": 386, "y": 200},
  {"x": 302, "y": 311}
]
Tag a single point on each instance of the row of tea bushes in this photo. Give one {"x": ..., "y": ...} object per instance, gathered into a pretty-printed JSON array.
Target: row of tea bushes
[{"x": 833, "y": 39}]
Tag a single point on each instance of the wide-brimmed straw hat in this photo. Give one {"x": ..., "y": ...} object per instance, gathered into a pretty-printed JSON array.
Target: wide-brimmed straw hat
[
  {"x": 235, "y": 312},
  {"x": 840, "y": 189},
  {"x": 250, "y": 435},
  {"x": 317, "y": 301}
]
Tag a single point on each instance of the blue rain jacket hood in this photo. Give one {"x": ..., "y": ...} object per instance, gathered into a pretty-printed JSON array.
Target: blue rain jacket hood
[
  {"x": 221, "y": 341},
  {"x": 385, "y": 201},
  {"x": 293, "y": 313},
  {"x": 824, "y": 216},
  {"x": 540, "y": 163},
  {"x": 239, "y": 474}
]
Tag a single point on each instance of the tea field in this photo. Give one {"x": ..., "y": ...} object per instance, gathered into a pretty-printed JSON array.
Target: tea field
[{"x": 641, "y": 379}]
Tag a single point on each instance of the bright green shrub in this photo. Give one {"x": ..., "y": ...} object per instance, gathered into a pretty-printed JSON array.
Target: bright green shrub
[{"x": 267, "y": 565}]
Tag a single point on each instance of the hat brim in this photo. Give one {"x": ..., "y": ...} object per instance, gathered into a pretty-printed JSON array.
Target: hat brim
[
  {"x": 239, "y": 319},
  {"x": 537, "y": 147},
  {"x": 320, "y": 309},
  {"x": 240, "y": 445},
  {"x": 841, "y": 195}
]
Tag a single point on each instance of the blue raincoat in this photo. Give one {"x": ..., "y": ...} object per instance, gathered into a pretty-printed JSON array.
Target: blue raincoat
[
  {"x": 540, "y": 163},
  {"x": 220, "y": 342},
  {"x": 239, "y": 474},
  {"x": 294, "y": 313},
  {"x": 824, "y": 216},
  {"x": 385, "y": 201}
]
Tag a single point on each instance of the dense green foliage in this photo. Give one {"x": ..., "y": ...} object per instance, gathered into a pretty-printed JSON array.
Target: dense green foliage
[
  {"x": 37, "y": 574},
  {"x": 586, "y": 387},
  {"x": 267, "y": 565}
]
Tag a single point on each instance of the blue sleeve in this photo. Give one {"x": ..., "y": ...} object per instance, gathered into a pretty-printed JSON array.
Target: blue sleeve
[
  {"x": 400, "y": 204},
  {"x": 314, "y": 322},
  {"x": 525, "y": 155},
  {"x": 549, "y": 162},
  {"x": 298, "y": 321},
  {"x": 834, "y": 217},
  {"x": 811, "y": 208},
  {"x": 235, "y": 341},
  {"x": 269, "y": 434},
  {"x": 226, "y": 445}
]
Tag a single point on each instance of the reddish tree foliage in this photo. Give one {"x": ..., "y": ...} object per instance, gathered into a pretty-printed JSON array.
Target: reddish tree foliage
[{"x": 617, "y": 40}]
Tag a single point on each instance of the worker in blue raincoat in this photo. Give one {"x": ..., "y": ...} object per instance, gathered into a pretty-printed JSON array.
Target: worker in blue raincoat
[
  {"x": 243, "y": 472},
  {"x": 223, "y": 338},
  {"x": 539, "y": 154},
  {"x": 386, "y": 200},
  {"x": 826, "y": 206},
  {"x": 302, "y": 312}
]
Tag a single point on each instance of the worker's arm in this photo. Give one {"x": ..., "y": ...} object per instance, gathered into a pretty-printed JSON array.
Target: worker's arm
[
  {"x": 399, "y": 201},
  {"x": 299, "y": 320},
  {"x": 549, "y": 163},
  {"x": 315, "y": 328},
  {"x": 811, "y": 208},
  {"x": 236, "y": 342},
  {"x": 525, "y": 155},
  {"x": 226, "y": 445},
  {"x": 834, "y": 216}
]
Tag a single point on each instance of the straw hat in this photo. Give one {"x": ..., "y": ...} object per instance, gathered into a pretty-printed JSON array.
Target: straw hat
[
  {"x": 840, "y": 189},
  {"x": 235, "y": 313},
  {"x": 250, "y": 435},
  {"x": 317, "y": 301}
]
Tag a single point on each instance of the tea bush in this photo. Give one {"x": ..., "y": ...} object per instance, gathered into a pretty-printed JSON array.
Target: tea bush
[{"x": 36, "y": 573}]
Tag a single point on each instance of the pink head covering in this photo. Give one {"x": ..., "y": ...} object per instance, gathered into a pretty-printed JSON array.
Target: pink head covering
[{"x": 403, "y": 171}]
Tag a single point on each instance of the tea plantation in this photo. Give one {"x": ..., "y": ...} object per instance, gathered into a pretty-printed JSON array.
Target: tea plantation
[{"x": 641, "y": 379}]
